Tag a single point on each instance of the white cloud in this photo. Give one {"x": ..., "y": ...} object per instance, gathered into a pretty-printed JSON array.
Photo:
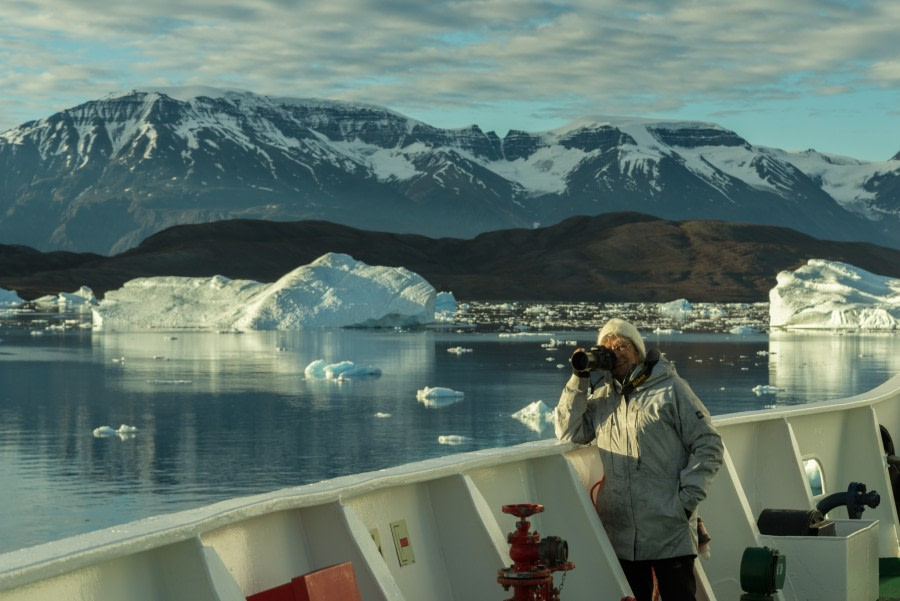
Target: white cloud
[{"x": 566, "y": 58}]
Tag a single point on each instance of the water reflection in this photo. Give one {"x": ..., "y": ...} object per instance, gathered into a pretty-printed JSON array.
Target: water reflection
[
  {"x": 225, "y": 363},
  {"x": 812, "y": 367}
]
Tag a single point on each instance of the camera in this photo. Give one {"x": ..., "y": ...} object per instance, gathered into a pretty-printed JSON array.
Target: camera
[{"x": 598, "y": 357}]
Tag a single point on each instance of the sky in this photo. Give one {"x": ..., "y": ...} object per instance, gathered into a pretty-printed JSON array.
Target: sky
[{"x": 821, "y": 74}]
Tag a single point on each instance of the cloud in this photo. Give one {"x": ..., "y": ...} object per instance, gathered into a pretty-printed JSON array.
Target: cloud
[{"x": 568, "y": 57}]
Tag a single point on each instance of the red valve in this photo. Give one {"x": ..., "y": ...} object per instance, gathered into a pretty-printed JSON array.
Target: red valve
[{"x": 534, "y": 559}]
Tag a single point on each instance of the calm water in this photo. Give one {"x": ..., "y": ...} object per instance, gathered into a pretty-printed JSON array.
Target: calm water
[{"x": 220, "y": 415}]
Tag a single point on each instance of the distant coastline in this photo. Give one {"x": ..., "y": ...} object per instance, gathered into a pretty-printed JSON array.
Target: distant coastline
[{"x": 615, "y": 257}]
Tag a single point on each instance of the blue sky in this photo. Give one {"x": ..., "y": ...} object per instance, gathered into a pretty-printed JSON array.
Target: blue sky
[{"x": 821, "y": 74}]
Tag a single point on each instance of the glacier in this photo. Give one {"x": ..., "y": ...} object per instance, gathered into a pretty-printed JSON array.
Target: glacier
[
  {"x": 834, "y": 296},
  {"x": 335, "y": 290}
]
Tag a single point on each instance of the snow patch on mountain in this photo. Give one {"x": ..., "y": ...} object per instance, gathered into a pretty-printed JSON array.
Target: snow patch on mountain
[
  {"x": 842, "y": 178},
  {"x": 544, "y": 171},
  {"x": 387, "y": 164}
]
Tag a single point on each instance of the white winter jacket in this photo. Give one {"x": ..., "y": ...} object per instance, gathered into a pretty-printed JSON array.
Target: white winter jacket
[{"x": 660, "y": 452}]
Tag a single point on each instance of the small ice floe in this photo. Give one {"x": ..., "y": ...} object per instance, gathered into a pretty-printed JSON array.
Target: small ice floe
[
  {"x": 521, "y": 331},
  {"x": 536, "y": 416},
  {"x": 343, "y": 370},
  {"x": 761, "y": 389},
  {"x": 382, "y": 415},
  {"x": 742, "y": 330},
  {"x": 458, "y": 350},
  {"x": 452, "y": 439},
  {"x": 666, "y": 331},
  {"x": 123, "y": 431},
  {"x": 438, "y": 396}
]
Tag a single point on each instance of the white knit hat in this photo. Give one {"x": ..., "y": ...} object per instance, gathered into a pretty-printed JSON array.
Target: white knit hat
[{"x": 622, "y": 329}]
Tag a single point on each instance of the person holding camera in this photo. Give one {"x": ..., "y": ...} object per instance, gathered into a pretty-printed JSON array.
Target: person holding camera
[{"x": 659, "y": 450}]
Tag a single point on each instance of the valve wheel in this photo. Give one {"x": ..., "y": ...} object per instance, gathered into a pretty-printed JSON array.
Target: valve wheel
[{"x": 523, "y": 510}]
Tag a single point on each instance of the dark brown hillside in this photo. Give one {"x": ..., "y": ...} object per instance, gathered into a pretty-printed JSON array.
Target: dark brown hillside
[{"x": 612, "y": 257}]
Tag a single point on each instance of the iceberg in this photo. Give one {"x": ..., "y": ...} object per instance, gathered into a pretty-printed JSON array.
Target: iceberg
[
  {"x": 833, "y": 295},
  {"x": 537, "y": 416},
  {"x": 343, "y": 370},
  {"x": 335, "y": 290},
  {"x": 452, "y": 439},
  {"x": 445, "y": 307},
  {"x": 9, "y": 299},
  {"x": 81, "y": 299},
  {"x": 761, "y": 389},
  {"x": 436, "y": 397},
  {"x": 124, "y": 431},
  {"x": 677, "y": 309}
]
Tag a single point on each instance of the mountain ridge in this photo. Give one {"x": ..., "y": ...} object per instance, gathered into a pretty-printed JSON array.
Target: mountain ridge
[
  {"x": 625, "y": 257},
  {"x": 104, "y": 175}
]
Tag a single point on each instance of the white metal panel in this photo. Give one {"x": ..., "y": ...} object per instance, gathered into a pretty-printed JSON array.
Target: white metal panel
[
  {"x": 470, "y": 542},
  {"x": 263, "y": 552},
  {"x": 843, "y": 567},
  {"x": 427, "y": 577},
  {"x": 768, "y": 464},
  {"x": 175, "y": 572},
  {"x": 731, "y": 525},
  {"x": 848, "y": 446}
]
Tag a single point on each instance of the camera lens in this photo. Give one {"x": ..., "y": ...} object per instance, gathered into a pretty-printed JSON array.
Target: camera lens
[{"x": 581, "y": 361}]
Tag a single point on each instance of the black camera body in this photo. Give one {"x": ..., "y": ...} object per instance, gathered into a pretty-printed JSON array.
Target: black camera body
[{"x": 598, "y": 357}]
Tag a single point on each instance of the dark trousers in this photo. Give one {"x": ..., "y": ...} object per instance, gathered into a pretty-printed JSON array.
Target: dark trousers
[{"x": 674, "y": 576}]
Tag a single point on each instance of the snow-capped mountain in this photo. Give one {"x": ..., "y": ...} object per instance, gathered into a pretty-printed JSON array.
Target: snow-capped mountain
[{"x": 104, "y": 175}]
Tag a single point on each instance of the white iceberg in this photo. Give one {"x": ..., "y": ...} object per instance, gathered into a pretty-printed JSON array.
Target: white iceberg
[
  {"x": 445, "y": 307},
  {"x": 333, "y": 291},
  {"x": 438, "y": 396},
  {"x": 761, "y": 389},
  {"x": 536, "y": 416},
  {"x": 832, "y": 295},
  {"x": 452, "y": 439},
  {"x": 9, "y": 299},
  {"x": 742, "y": 330},
  {"x": 677, "y": 309},
  {"x": 81, "y": 299},
  {"x": 124, "y": 431},
  {"x": 343, "y": 370}
]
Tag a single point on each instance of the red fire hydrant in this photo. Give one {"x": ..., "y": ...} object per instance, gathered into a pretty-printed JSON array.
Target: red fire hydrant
[{"x": 534, "y": 559}]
